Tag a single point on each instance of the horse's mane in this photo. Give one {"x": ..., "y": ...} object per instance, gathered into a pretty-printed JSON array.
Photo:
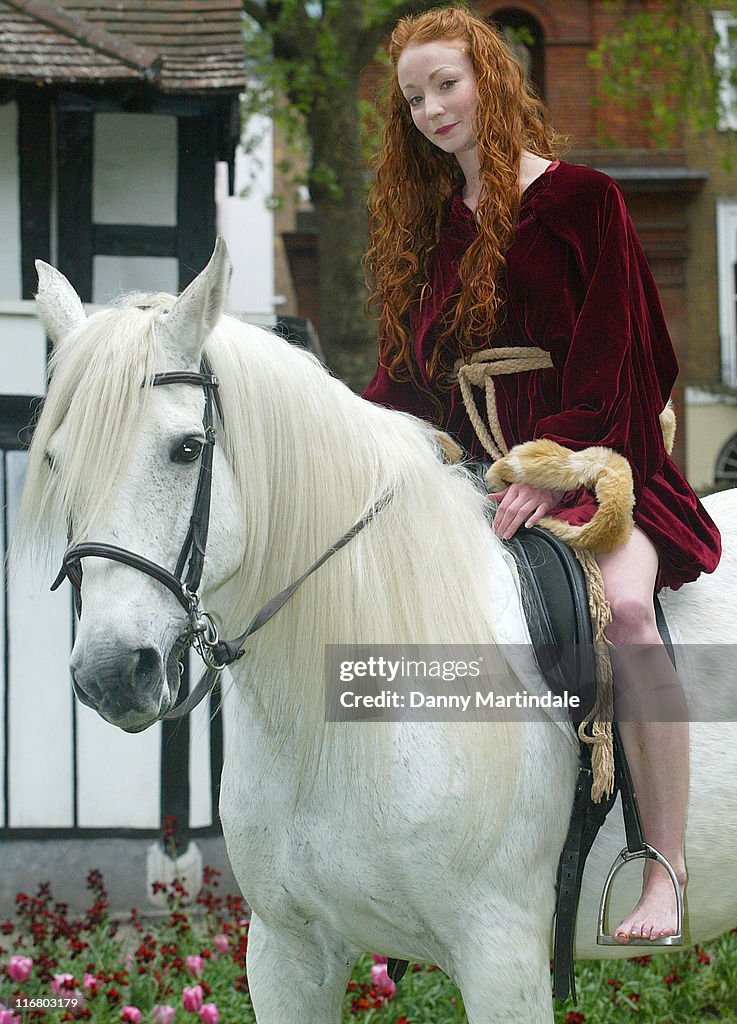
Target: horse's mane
[{"x": 309, "y": 458}]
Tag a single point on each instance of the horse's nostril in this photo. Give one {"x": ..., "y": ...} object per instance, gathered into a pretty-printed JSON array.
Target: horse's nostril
[{"x": 148, "y": 670}]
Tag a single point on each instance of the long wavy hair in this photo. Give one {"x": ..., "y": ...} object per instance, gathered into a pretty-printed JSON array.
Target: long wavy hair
[{"x": 415, "y": 180}]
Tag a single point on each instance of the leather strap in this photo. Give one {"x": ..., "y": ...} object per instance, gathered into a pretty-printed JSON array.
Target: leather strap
[
  {"x": 71, "y": 567},
  {"x": 225, "y": 652},
  {"x": 228, "y": 651}
]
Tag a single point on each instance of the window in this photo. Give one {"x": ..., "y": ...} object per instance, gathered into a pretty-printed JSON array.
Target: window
[
  {"x": 725, "y": 60},
  {"x": 726, "y": 471},
  {"x": 527, "y": 40},
  {"x": 727, "y": 282}
]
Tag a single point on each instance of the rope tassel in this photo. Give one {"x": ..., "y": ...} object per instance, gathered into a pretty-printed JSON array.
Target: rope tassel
[{"x": 602, "y": 714}]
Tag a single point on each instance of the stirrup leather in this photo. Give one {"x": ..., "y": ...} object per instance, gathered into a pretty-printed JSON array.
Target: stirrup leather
[{"x": 604, "y": 938}]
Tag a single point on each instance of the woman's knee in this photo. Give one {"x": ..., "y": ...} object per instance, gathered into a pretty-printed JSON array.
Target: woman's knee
[{"x": 633, "y": 619}]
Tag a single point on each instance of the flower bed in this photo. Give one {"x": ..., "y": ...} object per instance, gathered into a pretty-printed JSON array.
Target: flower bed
[{"x": 189, "y": 966}]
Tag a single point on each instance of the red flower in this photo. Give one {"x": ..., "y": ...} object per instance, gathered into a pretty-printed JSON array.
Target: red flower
[
  {"x": 168, "y": 827},
  {"x": 673, "y": 978},
  {"x": 574, "y": 1017}
]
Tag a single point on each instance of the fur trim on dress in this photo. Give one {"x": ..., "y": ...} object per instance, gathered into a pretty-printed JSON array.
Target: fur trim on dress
[
  {"x": 450, "y": 451},
  {"x": 544, "y": 463},
  {"x": 668, "y": 426}
]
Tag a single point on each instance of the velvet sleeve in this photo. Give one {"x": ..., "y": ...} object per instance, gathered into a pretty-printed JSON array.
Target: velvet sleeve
[
  {"x": 618, "y": 368},
  {"x": 404, "y": 396}
]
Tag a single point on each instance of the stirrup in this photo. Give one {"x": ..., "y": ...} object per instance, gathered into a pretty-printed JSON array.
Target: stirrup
[{"x": 624, "y": 857}]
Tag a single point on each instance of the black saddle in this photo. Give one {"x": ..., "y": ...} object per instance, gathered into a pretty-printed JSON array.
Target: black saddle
[{"x": 556, "y": 606}]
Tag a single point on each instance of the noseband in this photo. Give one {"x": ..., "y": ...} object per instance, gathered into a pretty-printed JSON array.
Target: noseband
[{"x": 200, "y": 632}]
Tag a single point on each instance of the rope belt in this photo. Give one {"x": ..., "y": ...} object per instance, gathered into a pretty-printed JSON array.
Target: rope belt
[{"x": 479, "y": 372}]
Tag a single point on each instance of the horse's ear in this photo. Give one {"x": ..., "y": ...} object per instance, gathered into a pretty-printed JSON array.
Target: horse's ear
[
  {"x": 59, "y": 306},
  {"x": 195, "y": 313}
]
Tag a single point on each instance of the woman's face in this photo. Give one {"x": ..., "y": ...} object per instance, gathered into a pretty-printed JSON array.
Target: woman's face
[{"x": 438, "y": 81}]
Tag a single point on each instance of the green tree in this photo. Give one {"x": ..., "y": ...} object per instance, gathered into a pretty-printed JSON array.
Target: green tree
[
  {"x": 676, "y": 61},
  {"x": 313, "y": 53}
]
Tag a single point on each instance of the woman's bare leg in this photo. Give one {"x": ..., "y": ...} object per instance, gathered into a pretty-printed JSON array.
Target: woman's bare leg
[{"x": 651, "y": 710}]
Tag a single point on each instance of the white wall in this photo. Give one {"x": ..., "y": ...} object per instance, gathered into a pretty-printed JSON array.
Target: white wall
[
  {"x": 247, "y": 224},
  {"x": 22, "y": 349},
  {"x": 711, "y": 421},
  {"x": 134, "y": 176},
  {"x": 10, "y": 279}
]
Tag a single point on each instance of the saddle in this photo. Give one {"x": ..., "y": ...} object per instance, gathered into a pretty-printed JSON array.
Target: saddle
[{"x": 556, "y": 606}]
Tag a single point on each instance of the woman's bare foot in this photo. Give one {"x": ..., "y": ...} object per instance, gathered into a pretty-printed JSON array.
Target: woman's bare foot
[{"x": 656, "y": 913}]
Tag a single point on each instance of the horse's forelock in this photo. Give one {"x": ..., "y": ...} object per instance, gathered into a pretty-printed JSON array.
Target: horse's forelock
[{"x": 99, "y": 381}]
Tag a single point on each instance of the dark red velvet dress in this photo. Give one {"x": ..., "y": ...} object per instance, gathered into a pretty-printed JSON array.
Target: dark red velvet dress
[{"x": 576, "y": 284}]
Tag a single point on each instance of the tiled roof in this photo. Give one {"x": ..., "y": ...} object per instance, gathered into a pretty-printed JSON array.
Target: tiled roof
[{"x": 179, "y": 45}]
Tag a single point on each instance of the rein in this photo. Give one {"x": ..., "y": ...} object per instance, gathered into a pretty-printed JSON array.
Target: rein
[{"x": 201, "y": 632}]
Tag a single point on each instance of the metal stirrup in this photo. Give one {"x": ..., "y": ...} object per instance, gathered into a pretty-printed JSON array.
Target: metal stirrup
[{"x": 604, "y": 938}]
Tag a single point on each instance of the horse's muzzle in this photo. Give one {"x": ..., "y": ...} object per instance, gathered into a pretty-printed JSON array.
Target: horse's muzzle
[{"x": 126, "y": 690}]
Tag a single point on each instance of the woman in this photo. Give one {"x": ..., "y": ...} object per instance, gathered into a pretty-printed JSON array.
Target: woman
[{"x": 482, "y": 239}]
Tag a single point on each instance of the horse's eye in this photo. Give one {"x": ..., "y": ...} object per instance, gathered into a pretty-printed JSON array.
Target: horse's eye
[{"x": 188, "y": 451}]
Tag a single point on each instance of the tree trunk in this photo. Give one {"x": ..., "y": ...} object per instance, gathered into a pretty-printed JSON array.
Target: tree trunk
[{"x": 338, "y": 191}]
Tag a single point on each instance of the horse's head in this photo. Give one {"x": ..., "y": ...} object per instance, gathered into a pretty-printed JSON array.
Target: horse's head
[{"x": 117, "y": 461}]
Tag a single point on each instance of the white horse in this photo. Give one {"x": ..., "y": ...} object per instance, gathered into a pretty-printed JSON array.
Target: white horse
[{"x": 430, "y": 841}]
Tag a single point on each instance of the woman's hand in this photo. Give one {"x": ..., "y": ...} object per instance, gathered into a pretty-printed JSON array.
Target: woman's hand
[{"x": 521, "y": 504}]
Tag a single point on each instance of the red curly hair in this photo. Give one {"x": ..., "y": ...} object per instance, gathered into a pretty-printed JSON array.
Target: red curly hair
[{"x": 415, "y": 180}]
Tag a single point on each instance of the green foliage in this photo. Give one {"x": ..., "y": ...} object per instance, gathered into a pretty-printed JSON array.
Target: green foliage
[
  {"x": 304, "y": 61},
  {"x": 666, "y": 62}
]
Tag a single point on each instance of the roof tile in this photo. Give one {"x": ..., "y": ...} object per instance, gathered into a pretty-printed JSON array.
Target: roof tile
[{"x": 181, "y": 45}]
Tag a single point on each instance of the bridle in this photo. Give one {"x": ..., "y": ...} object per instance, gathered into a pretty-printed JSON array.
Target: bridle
[{"x": 200, "y": 632}]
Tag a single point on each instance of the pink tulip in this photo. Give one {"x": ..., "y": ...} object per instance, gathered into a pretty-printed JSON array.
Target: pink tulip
[
  {"x": 130, "y": 1015},
  {"x": 221, "y": 943},
  {"x": 195, "y": 965},
  {"x": 381, "y": 981},
  {"x": 8, "y": 1017},
  {"x": 209, "y": 1014},
  {"x": 192, "y": 998},
  {"x": 90, "y": 984},
  {"x": 19, "y": 967},
  {"x": 162, "y": 1014},
  {"x": 61, "y": 982},
  {"x": 378, "y": 959}
]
